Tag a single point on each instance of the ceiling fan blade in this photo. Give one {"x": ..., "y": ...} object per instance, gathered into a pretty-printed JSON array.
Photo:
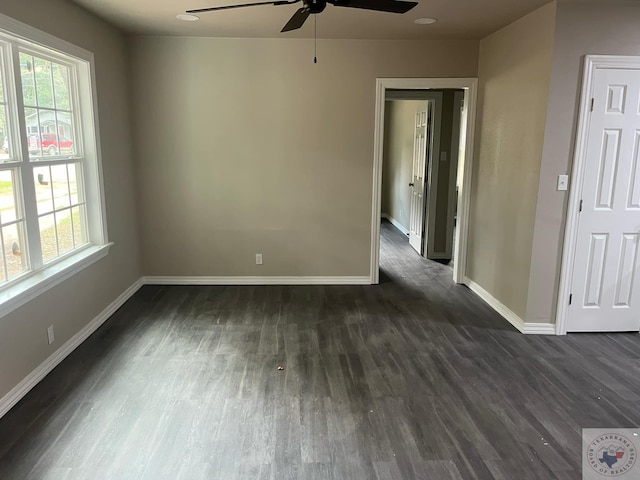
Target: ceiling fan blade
[
  {"x": 391, "y": 6},
  {"x": 297, "y": 20},
  {"x": 242, "y": 5}
]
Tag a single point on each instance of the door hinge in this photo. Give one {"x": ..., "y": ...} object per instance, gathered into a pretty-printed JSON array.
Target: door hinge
[
  {"x": 570, "y": 298},
  {"x": 593, "y": 101},
  {"x": 580, "y": 210}
]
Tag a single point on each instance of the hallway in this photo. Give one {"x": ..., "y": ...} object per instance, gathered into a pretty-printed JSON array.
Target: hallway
[{"x": 413, "y": 379}]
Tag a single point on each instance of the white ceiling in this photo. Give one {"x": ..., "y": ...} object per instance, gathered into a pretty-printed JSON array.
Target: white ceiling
[{"x": 459, "y": 18}]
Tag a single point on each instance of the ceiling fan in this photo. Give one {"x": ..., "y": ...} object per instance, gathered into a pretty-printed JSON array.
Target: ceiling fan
[{"x": 316, "y": 6}]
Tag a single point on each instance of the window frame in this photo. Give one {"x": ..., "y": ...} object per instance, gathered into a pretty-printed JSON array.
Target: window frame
[{"x": 16, "y": 38}]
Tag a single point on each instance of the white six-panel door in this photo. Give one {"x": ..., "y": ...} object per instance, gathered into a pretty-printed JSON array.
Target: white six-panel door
[
  {"x": 418, "y": 180},
  {"x": 605, "y": 295}
]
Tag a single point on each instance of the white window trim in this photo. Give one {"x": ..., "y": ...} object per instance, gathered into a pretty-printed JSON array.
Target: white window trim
[
  {"x": 23, "y": 291},
  {"x": 37, "y": 282}
]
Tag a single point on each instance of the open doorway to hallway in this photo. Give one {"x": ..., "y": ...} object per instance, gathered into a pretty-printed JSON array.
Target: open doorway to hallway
[
  {"x": 421, "y": 150},
  {"x": 422, "y": 167}
]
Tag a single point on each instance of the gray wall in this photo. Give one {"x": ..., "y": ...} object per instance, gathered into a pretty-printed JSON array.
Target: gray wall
[
  {"x": 444, "y": 183},
  {"x": 246, "y": 146},
  {"x": 585, "y": 27},
  {"x": 72, "y": 304},
  {"x": 514, "y": 72},
  {"x": 397, "y": 163}
]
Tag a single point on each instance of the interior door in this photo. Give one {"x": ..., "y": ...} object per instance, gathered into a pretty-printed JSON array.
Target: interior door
[
  {"x": 604, "y": 293},
  {"x": 432, "y": 156},
  {"x": 418, "y": 180}
]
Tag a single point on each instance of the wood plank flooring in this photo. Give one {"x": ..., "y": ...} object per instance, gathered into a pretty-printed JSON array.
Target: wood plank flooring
[{"x": 413, "y": 379}]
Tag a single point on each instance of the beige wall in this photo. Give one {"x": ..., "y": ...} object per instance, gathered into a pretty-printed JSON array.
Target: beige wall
[
  {"x": 72, "y": 304},
  {"x": 397, "y": 163},
  {"x": 585, "y": 27},
  {"x": 246, "y": 146},
  {"x": 514, "y": 71}
]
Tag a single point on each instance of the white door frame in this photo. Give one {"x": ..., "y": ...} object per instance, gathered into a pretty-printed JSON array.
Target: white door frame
[
  {"x": 470, "y": 86},
  {"x": 591, "y": 64}
]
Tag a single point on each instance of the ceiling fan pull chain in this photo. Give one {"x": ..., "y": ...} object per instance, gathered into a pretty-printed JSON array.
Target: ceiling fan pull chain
[{"x": 315, "y": 39}]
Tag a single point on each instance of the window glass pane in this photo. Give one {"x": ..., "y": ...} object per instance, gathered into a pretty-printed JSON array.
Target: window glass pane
[
  {"x": 2, "y": 100},
  {"x": 48, "y": 113},
  {"x": 15, "y": 257},
  {"x": 4, "y": 135},
  {"x": 79, "y": 226},
  {"x": 44, "y": 85},
  {"x": 74, "y": 186},
  {"x": 33, "y": 127},
  {"x": 37, "y": 81},
  {"x": 44, "y": 194},
  {"x": 61, "y": 86},
  {"x": 66, "y": 144},
  {"x": 28, "y": 80},
  {"x": 3, "y": 118},
  {"x": 33, "y": 124},
  {"x": 48, "y": 239},
  {"x": 8, "y": 211},
  {"x": 60, "y": 184},
  {"x": 65, "y": 231}
]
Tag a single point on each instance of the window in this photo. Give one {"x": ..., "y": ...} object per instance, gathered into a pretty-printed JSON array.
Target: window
[{"x": 51, "y": 207}]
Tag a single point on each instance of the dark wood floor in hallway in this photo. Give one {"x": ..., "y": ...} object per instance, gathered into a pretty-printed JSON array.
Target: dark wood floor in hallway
[{"x": 415, "y": 378}]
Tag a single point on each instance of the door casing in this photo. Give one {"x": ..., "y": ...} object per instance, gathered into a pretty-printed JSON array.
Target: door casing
[{"x": 470, "y": 87}]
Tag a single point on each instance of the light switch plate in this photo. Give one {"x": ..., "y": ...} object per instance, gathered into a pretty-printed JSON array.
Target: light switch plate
[
  {"x": 563, "y": 183},
  {"x": 258, "y": 259}
]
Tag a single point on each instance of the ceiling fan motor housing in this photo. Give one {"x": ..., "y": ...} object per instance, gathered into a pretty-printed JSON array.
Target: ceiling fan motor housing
[{"x": 315, "y": 6}]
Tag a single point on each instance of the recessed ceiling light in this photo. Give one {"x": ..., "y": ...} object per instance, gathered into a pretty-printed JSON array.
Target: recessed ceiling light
[
  {"x": 187, "y": 18},
  {"x": 425, "y": 21}
]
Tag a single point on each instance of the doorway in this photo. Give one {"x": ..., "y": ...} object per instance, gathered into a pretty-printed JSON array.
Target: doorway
[{"x": 456, "y": 198}]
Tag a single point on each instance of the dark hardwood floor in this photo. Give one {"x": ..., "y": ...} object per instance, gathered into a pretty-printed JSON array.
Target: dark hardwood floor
[{"x": 413, "y": 379}]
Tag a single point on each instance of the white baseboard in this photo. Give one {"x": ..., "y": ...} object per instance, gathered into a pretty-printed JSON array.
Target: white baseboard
[
  {"x": 31, "y": 380},
  {"x": 540, "y": 328},
  {"x": 494, "y": 303},
  {"x": 257, "y": 280},
  {"x": 395, "y": 223},
  {"x": 510, "y": 315}
]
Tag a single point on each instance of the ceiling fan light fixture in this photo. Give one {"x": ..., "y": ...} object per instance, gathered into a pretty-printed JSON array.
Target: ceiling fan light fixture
[
  {"x": 187, "y": 18},
  {"x": 426, "y": 21}
]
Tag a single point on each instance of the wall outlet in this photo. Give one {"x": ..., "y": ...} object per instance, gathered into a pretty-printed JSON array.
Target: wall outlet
[
  {"x": 50, "y": 336},
  {"x": 258, "y": 259}
]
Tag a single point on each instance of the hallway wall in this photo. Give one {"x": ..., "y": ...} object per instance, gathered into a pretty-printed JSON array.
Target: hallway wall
[{"x": 397, "y": 163}]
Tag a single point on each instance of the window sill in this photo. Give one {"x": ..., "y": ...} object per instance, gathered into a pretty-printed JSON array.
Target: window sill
[{"x": 23, "y": 291}]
